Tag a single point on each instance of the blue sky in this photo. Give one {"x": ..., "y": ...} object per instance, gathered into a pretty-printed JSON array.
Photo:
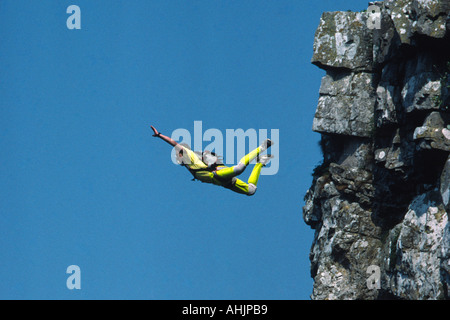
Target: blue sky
[{"x": 82, "y": 181}]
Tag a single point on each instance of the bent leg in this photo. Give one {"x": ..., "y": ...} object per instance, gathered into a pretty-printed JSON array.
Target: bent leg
[
  {"x": 225, "y": 173},
  {"x": 249, "y": 157},
  {"x": 253, "y": 179},
  {"x": 254, "y": 176},
  {"x": 230, "y": 172},
  {"x": 250, "y": 187},
  {"x": 240, "y": 186}
]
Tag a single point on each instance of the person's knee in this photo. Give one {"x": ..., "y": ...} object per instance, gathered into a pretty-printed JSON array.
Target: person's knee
[
  {"x": 251, "y": 189},
  {"x": 239, "y": 168}
]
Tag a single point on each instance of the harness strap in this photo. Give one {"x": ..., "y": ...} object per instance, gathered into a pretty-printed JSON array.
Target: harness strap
[{"x": 194, "y": 171}]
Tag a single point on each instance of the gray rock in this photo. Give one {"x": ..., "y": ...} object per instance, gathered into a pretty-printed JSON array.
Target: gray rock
[
  {"x": 343, "y": 40},
  {"x": 423, "y": 17},
  {"x": 346, "y": 105},
  {"x": 386, "y": 40},
  {"x": 381, "y": 199},
  {"x": 445, "y": 185},
  {"x": 431, "y": 17},
  {"x": 421, "y": 85},
  {"x": 433, "y": 134},
  {"x": 414, "y": 268}
]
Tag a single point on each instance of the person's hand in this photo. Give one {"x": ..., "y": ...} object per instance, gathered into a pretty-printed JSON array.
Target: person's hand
[{"x": 156, "y": 133}]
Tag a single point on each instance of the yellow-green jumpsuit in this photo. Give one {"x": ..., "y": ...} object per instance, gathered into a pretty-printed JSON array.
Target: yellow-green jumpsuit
[{"x": 225, "y": 176}]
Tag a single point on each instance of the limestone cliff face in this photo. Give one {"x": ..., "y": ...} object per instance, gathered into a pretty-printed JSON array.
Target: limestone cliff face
[{"x": 380, "y": 200}]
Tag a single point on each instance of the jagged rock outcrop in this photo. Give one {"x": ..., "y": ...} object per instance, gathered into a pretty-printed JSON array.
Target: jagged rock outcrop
[{"x": 380, "y": 199}]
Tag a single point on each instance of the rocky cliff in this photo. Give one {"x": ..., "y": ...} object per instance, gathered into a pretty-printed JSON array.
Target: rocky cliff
[{"x": 380, "y": 199}]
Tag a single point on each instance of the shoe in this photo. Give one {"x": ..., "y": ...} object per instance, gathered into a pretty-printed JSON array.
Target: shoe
[
  {"x": 264, "y": 159},
  {"x": 266, "y": 144}
]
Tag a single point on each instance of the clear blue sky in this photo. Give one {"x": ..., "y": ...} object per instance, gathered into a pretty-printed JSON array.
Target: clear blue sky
[{"x": 83, "y": 182}]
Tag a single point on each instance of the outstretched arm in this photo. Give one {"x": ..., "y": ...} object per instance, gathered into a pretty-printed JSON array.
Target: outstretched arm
[{"x": 165, "y": 138}]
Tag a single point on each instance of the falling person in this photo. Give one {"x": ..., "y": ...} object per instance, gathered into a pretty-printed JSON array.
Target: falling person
[{"x": 208, "y": 168}]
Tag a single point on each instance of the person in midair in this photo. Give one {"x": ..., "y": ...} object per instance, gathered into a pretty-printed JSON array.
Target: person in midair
[{"x": 215, "y": 172}]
